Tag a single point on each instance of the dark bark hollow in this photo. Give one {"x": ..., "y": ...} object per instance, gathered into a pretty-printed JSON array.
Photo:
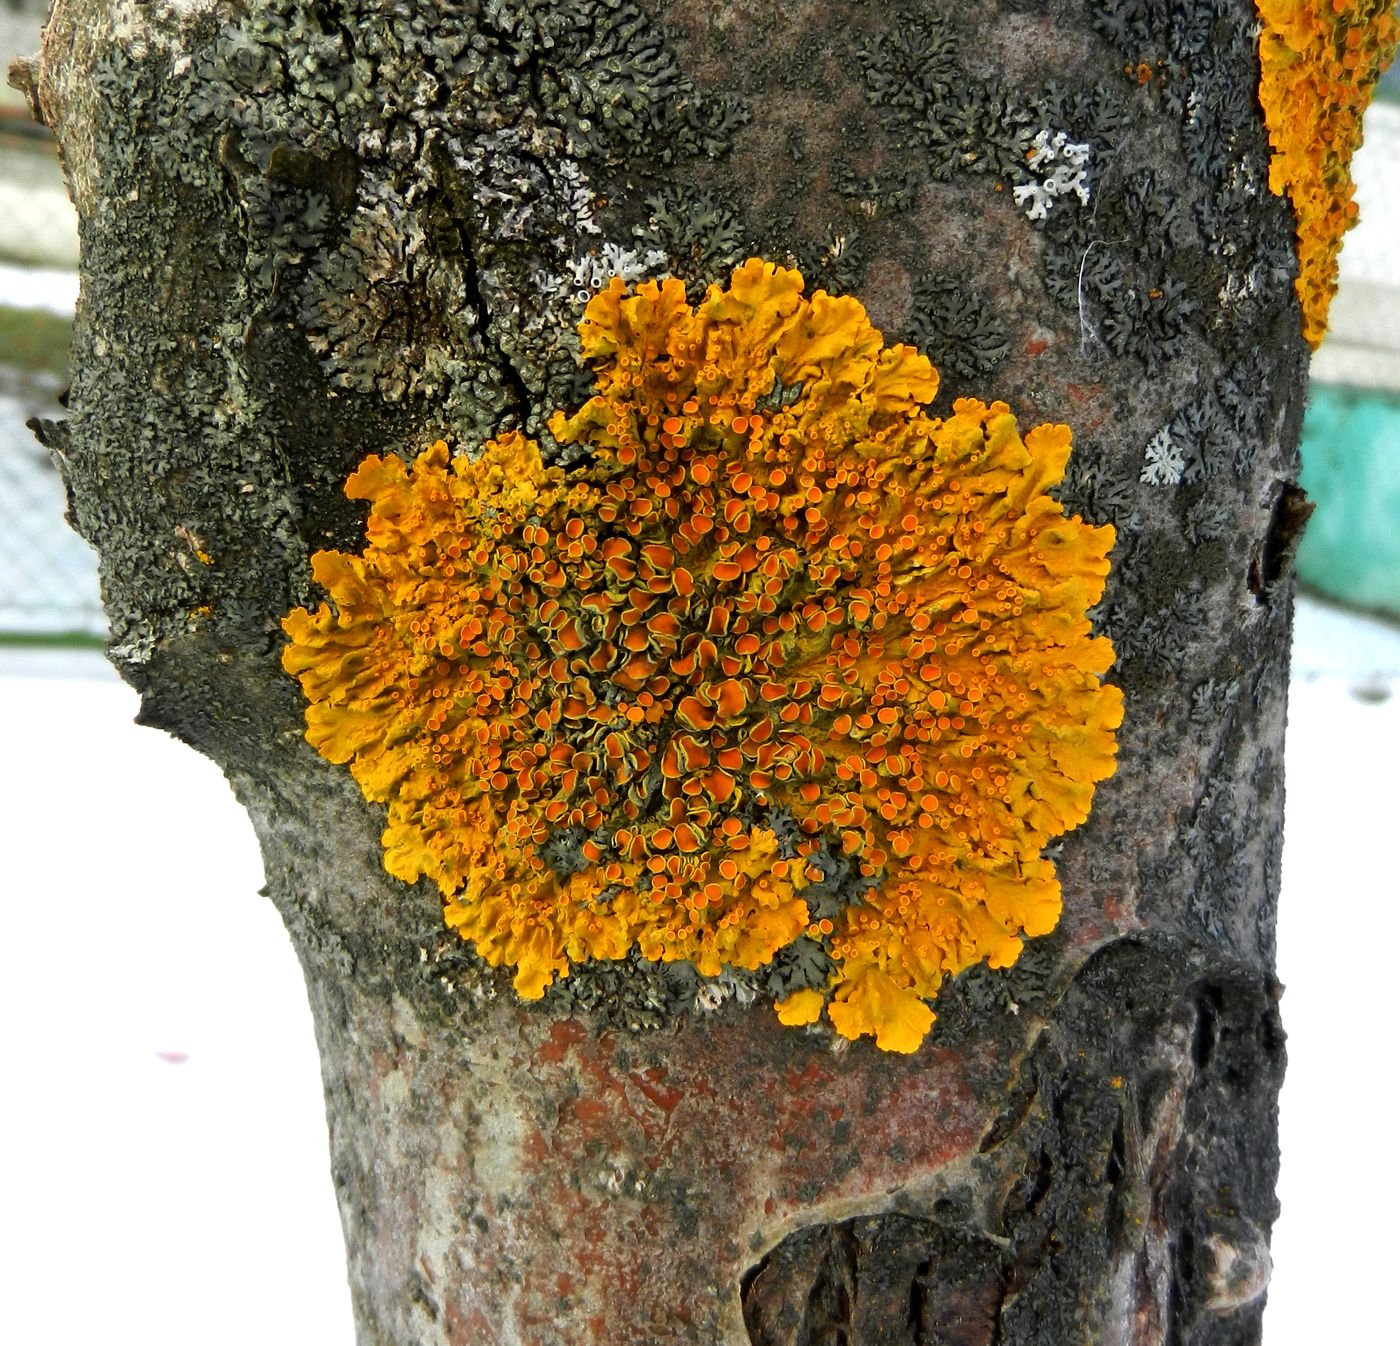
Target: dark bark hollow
[{"x": 310, "y": 233}]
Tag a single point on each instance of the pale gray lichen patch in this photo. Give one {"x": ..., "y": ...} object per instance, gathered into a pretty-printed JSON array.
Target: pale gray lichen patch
[
  {"x": 451, "y": 278},
  {"x": 595, "y": 268},
  {"x": 1060, "y": 168},
  {"x": 1164, "y": 460}
]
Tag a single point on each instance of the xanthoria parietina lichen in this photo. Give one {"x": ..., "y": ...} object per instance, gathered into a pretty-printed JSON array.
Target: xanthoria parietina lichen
[
  {"x": 1319, "y": 61},
  {"x": 788, "y": 665}
]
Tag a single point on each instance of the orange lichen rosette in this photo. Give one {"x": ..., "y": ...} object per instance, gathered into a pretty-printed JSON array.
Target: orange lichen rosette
[
  {"x": 783, "y": 627},
  {"x": 1319, "y": 60}
]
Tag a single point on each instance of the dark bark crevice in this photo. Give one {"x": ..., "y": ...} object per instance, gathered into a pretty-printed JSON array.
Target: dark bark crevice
[
  {"x": 1275, "y": 551},
  {"x": 1121, "y": 1202}
]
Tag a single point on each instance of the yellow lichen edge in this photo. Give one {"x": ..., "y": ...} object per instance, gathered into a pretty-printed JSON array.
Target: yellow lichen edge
[
  {"x": 780, "y": 590},
  {"x": 1319, "y": 60}
]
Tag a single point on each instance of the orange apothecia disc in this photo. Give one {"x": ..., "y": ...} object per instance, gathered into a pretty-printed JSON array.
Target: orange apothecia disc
[{"x": 783, "y": 627}]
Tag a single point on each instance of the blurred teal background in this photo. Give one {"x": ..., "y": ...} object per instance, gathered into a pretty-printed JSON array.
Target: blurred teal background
[{"x": 1351, "y": 469}]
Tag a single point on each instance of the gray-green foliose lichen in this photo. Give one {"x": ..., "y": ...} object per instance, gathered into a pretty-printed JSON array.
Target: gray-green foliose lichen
[
  {"x": 403, "y": 157},
  {"x": 955, "y": 327},
  {"x": 456, "y": 272},
  {"x": 1132, "y": 254}
]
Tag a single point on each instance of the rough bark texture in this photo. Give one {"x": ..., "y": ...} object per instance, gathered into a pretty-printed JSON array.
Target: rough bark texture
[{"x": 310, "y": 232}]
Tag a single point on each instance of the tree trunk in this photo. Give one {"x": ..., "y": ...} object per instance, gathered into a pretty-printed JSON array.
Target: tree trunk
[{"x": 310, "y": 233}]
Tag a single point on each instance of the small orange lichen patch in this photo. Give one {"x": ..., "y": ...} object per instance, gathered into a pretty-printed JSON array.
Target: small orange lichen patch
[
  {"x": 1319, "y": 60},
  {"x": 783, "y": 621},
  {"x": 801, "y": 1007}
]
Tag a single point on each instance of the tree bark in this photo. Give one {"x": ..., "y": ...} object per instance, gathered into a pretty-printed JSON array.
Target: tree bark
[{"x": 314, "y": 232}]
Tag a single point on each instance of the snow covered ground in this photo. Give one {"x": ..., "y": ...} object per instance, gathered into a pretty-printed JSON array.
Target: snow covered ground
[
  {"x": 163, "y": 1168},
  {"x": 49, "y": 289},
  {"x": 164, "y": 1172},
  {"x": 1338, "y": 1186}
]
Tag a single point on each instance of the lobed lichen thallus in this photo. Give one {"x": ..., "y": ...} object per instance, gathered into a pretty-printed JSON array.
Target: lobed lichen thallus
[
  {"x": 1318, "y": 62},
  {"x": 781, "y": 616}
]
